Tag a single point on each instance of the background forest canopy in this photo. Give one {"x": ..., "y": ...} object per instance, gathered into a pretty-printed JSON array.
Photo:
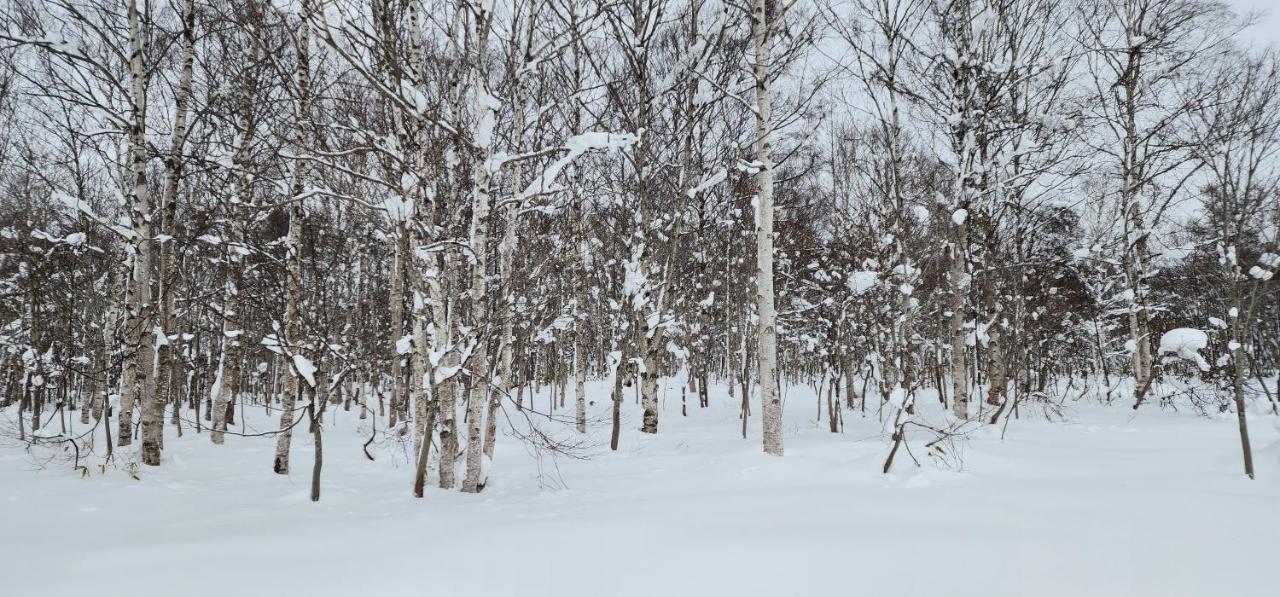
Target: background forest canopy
[{"x": 945, "y": 212}]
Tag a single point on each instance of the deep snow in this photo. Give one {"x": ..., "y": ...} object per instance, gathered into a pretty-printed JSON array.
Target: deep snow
[{"x": 1107, "y": 503}]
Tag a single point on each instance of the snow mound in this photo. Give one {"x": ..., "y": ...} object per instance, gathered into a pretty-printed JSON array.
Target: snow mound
[
  {"x": 1187, "y": 344},
  {"x": 861, "y": 282}
]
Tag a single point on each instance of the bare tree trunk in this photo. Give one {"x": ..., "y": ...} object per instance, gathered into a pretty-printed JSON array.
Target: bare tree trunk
[
  {"x": 618, "y": 365},
  {"x": 762, "y": 24},
  {"x": 88, "y": 391},
  {"x": 111, "y": 321},
  {"x": 424, "y": 447},
  {"x": 746, "y": 386},
  {"x": 448, "y": 433},
  {"x": 579, "y": 330},
  {"x": 485, "y": 106},
  {"x": 400, "y": 248},
  {"x": 996, "y": 371},
  {"x": 419, "y": 385},
  {"x": 506, "y": 263},
  {"x": 319, "y": 400},
  {"x": 137, "y": 380},
  {"x": 580, "y": 380},
  {"x": 649, "y": 378},
  {"x": 1238, "y": 363},
  {"x": 227, "y": 382},
  {"x": 959, "y": 372},
  {"x": 834, "y": 416},
  {"x": 1136, "y": 253},
  {"x": 293, "y": 252},
  {"x": 169, "y": 368}
]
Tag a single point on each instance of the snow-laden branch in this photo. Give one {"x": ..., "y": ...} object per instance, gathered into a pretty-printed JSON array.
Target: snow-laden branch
[{"x": 575, "y": 147}]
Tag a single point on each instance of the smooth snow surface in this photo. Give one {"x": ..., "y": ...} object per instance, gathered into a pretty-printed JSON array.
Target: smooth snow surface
[{"x": 1107, "y": 504}]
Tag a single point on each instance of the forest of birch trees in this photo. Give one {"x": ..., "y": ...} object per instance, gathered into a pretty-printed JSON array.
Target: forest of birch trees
[{"x": 943, "y": 213}]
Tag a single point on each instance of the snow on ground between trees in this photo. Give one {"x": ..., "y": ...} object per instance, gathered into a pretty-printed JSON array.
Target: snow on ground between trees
[{"x": 1107, "y": 504}]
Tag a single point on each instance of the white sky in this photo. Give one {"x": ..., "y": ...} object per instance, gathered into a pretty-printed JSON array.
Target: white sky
[{"x": 1267, "y": 31}]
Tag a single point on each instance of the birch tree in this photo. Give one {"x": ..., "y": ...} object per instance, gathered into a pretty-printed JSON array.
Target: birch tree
[
  {"x": 764, "y": 20},
  {"x": 290, "y": 327},
  {"x": 1141, "y": 53}
]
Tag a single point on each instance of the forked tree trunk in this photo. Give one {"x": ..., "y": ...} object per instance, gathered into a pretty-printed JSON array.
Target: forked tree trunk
[
  {"x": 169, "y": 370},
  {"x": 137, "y": 379}
]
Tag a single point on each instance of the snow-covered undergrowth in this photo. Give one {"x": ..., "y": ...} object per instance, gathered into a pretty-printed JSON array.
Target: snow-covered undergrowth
[{"x": 1107, "y": 502}]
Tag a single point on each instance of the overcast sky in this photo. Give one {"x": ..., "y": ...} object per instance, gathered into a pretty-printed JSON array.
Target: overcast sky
[{"x": 1268, "y": 29}]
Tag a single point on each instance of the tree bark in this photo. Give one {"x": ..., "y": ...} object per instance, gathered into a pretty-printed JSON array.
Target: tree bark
[
  {"x": 293, "y": 252},
  {"x": 138, "y": 379},
  {"x": 762, "y": 15},
  {"x": 485, "y": 111}
]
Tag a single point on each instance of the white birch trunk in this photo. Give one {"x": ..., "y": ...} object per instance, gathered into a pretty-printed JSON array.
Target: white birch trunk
[
  {"x": 481, "y": 181},
  {"x": 762, "y": 24},
  {"x": 399, "y": 250},
  {"x": 293, "y": 251},
  {"x": 228, "y": 376},
  {"x": 169, "y": 365},
  {"x": 138, "y": 376}
]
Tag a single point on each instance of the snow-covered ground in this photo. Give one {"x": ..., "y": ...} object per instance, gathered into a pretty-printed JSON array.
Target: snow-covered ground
[{"x": 1107, "y": 503}]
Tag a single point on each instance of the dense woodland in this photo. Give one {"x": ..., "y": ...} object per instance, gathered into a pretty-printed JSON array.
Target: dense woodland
[{"x": 939, "y": 212}]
